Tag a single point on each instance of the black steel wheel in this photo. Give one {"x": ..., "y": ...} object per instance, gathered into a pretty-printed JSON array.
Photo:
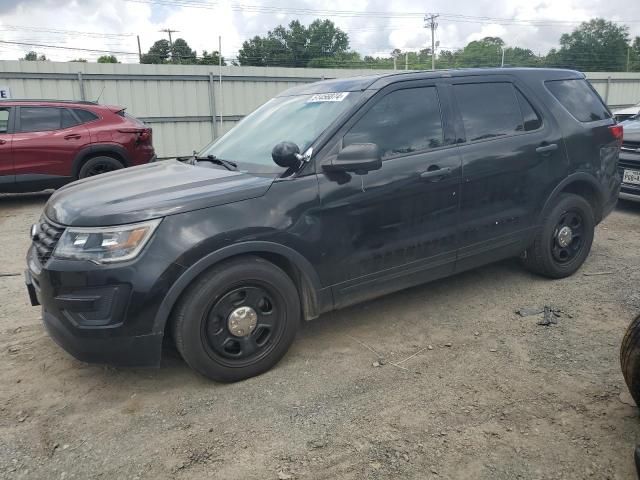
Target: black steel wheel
[
  {"x": 564, "y": 241},
  {"x": 99, "y": 165},
  {"x": 243, "y": 325},
  {"x": 568, "y": 236},
  {"x": 237, "y": 320}
]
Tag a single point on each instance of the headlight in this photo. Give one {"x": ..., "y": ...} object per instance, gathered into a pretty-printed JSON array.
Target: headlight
[{"x": 105, "y": 244}]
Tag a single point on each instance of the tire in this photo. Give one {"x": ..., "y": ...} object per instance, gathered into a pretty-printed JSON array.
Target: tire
[
  {"x": 97, "y": 165},
  {"x": 547, "y": 256},
  {"x": 202, "y": 327},
  {"x": 630, "y": 358}
]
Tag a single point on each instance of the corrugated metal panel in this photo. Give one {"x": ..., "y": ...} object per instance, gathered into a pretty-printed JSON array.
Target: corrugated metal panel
[{"x": 175, "y": 99}]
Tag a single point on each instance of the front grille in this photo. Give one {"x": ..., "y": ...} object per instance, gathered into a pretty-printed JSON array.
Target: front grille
[
  {"x": 46, "y": 238},
  {"x": 631, "y": 146}
]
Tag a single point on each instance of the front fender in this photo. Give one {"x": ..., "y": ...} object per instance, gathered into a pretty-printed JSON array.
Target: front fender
[{"x": 319, "y": 300}]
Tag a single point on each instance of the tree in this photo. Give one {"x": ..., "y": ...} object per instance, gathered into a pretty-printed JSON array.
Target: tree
[
  {"x": 596, "y": 45},
  {"x": 182, "y": 53},
  {"x": 108, "y": 59},
  {"x": 164, "y": 52},
  {"x": 159, "y": 52},
  {"x": 520, "y": 57},
  {"x": 296, "y": 45},
  {"x": 79, "y": 60},
  {"x": 634, "y": 55},
  {"x": 210, "y": 58},
  {"x": 481, "y": 53},
  {"x": 33, "y": 56}
]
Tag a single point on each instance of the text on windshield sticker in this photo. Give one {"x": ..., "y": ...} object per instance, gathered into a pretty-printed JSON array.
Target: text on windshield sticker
[{"x": 328, "y": 97}]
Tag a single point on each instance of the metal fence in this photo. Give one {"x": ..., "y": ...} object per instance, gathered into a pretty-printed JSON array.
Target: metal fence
[{"x": 189, "y": 105}]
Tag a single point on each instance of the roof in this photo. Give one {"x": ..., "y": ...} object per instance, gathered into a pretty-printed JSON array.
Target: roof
[
  {"x": 42, "y": 100},
  {"x": 377, "y": 81}
]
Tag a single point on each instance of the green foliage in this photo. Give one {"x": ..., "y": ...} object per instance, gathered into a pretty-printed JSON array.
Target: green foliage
[
  {"x": 182, "y": 53},
  {"x": 634, "y": 55},
  {"x": 33, "y": 56},
  {"x": 108, "y": 59},
  {"x": 481, "y": 53},
  {"x": 159, "y": 52},
  {"x": 296, "y": 45},
  {"x": 596, "y": 45},
  {"x": 79, "y": 60},
  {"x": 210, "y": 58}
]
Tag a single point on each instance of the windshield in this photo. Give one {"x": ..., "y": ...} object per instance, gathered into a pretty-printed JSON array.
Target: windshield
[{"x": 299, "y": 119}]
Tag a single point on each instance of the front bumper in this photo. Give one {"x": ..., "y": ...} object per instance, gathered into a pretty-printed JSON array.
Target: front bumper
[{"x": 102, "y": 314}]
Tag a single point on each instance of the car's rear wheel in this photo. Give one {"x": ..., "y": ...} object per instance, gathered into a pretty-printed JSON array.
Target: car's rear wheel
[
  {"x": 564, "y": 241},
  {"x": 630, "y": 358},
  {"x": 97, "y": 165},
  {"x": 237, "y": 320}
]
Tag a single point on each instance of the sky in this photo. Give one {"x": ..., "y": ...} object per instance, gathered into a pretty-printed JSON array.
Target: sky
[{"x": 375, "y": 27}]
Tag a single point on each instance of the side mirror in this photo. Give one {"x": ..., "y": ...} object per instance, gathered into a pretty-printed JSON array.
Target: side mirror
[
  {"x": 286, "y": 154},
  {"x": 358, "y": 158}
]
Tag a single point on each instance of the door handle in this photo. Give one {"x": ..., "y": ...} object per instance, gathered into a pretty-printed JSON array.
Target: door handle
[
  {"x": 436, "y": 173},
  {"x": 2, "y": 142},
  {"x": 547, "y": 148},
  {"x": 72, "y": 136}
]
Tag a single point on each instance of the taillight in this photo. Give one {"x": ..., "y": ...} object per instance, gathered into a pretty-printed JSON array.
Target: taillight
[{"x": 617, "y": 131}]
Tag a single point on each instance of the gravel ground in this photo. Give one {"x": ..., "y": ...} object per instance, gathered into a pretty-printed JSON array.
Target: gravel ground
[{"x": 476, "y": 392}]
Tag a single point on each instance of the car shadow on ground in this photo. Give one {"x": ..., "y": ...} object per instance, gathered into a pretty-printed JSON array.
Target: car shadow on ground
[{"x": 628, "y": 206}]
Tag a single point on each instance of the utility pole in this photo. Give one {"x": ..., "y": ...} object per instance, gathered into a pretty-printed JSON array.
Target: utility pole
[
  {"x": 169, "y": 31},
  {"x": 220, "y": 78},
  {"x": 395, "y": 61},
  {"x": 430, "y": 22},
  {"x": 502, "y": 62},
  {"x": 406, "y": 60},
  {"x": 628, "y": 50},
  {"x": 139, "y": 49}
]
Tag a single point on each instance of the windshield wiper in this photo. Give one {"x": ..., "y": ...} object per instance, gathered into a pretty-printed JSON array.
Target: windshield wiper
[{"x": 228, "y": 164}]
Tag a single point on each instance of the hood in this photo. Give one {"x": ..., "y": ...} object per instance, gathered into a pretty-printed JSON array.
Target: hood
[
  {"x": 631, "y": 130},
  {"x": 150, "y": 191}
]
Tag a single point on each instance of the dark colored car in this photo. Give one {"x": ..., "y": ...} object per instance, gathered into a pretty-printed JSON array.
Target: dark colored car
[
  {"x": 46, "y": 144},
  {"x": 630, "y": 160},
  {"x": 400, "y": 179}
]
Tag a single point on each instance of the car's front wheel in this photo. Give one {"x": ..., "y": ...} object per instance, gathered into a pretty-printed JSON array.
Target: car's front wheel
[
  {"x": 237, "y": 320},
  {"x": 564, "y": 241}
]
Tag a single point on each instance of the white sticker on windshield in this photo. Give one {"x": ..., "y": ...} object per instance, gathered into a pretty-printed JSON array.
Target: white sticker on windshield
[{"x": 328, "y": 97}]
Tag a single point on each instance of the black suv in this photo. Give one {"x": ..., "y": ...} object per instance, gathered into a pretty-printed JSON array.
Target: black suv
[{"x": 329, "y": 194}]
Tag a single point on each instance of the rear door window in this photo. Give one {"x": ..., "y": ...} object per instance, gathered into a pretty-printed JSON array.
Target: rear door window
[
  {"x": 531, "y": 119},
  {"x": 489, "y": 110},
  {"x": 403, "y": 122},
  {"x": 4, "y": 120},
  {"x": 67, "y": 119},
  {"x": 40, "y": 119},
  {"x": 580, "y": 99}
]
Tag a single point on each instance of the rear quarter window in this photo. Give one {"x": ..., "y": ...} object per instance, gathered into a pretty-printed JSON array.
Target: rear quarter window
[
  {"x": 579, "y": 98},
  {"x": 85, "y": 115}
]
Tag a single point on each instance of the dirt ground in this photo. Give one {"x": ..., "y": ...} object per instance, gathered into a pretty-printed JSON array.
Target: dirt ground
[{"x": 487, "y": 395}]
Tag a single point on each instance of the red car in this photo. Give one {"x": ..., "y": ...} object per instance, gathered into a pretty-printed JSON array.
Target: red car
[{"x": 48, "y": 143}]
